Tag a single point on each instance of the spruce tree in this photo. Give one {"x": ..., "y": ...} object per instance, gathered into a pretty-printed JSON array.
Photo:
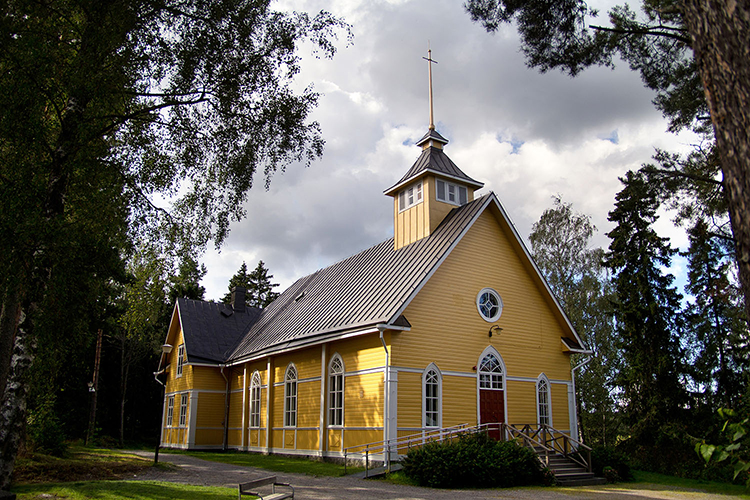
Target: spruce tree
[
  {"x": 716, "y": 320},
  {"x": 258, "y": 286},
  {"x": 647, "y": 311}
]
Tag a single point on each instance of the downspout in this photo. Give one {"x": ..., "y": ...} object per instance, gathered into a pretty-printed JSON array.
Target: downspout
[
  {"x": 386, "y": 409},
  {"x": 572, "y": 389},
  {"x": 226, "y": 410}
]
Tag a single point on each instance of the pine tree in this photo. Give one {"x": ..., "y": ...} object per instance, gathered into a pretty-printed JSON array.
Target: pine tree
[{"x": 647, "y": 311}]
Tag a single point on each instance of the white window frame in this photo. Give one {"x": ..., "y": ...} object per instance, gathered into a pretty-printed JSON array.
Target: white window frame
[
  {"x": 543, "y": 400},
  {"x": 170, "y": 411},
  {"x": 336, "y": 391},
  {"x": 290, "y": 396},
  {"x": 482, "y": 306},
  {"x": 410, "y": 196},
  {"x": 491, "y": 379},
  {"x": 180, "y": 359},
  {"x": 183, "y": 409},
  {"x": 451, "y": 189},
  {"x": 432, "y": 374},
  {"x": 255, "y": 387}
]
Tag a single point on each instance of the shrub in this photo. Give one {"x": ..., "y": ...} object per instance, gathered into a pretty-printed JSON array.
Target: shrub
[
  {"x": 473, "y": 460},
  {"x": 44, "y": 430},
  {"x": 605, "y": 457}
]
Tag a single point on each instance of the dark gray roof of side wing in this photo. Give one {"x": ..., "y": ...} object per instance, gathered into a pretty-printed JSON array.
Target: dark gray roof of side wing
[
  {"x": 211, "y": 329},
  {"x": 363, "y": 290},
  {"x": 434, "y": 160}
]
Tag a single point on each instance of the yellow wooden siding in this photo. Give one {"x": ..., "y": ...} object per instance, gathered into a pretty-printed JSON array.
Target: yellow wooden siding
[
  {"x": 559, "y": 400},
  {"x": 235, "y": 409},
  {"x": 210, "y": 410},
  {"x": 307, "y": 362},
  {"x": 209, "y": 437},
  {"x": 175, "y": 436},
  {"x": 359, "y": 353},
  {"x": 421, "y": 220},
  {"x": 363, "y": 400},
  {"x": 409, "y": 399},
  {"x": 521, "y": 399},
  {"x": 459, "y": 401},
  {"x": 207, "y": 378},
  {"x": 447, "y": 328},
  {"x": 308, "y": 404}
]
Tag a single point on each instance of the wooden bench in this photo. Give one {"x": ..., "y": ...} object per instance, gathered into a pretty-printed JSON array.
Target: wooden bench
[{"x": 249, "y": 487}]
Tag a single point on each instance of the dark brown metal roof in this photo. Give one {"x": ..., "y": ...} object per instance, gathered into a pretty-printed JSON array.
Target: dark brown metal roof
[
  {"x": 364, "y": 290},
  {"x": 435, "y": 161},
  {"x": 211, "y": 329}
]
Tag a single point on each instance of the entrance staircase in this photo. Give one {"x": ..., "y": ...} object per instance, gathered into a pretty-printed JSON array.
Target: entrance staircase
[{"x": 567, "y": 471}]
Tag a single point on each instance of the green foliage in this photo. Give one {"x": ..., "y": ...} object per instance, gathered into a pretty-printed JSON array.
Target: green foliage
[
  {"x": 257, "y": 284},
  {"x": 560, "y": 245},
  {"x": 607, "y": 457},
  {"x": 45, "y": 431},
  {"x": 472, "y": 461},
  {"x": 125, "y": 490},
  {"x": 737, "y": 452},
  {"x": 647, "y": 311}
]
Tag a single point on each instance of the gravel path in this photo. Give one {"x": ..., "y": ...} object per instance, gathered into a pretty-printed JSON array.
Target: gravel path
[{"x": 195, "y": 471}]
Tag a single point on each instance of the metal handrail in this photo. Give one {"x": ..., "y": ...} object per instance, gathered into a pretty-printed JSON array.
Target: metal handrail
[
  {"x": 545, "y": 437},
  {"x": 388, "y": 446}
]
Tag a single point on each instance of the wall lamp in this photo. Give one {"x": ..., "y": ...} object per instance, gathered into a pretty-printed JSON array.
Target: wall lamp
[
  {"x": 496, "y": 329},
  {"x": 166, "y": 348}
]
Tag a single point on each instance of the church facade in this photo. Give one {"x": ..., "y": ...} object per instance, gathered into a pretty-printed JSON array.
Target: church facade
[{"x": 447, "y": 323}]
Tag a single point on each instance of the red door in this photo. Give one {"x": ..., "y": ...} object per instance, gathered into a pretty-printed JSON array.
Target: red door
[{"x": 492, "y": 409}]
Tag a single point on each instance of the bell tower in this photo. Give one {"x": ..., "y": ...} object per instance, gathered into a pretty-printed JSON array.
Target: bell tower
[{"x": 431, "y": 188}]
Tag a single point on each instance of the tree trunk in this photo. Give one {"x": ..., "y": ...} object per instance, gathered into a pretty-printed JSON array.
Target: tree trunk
[
  {"x": 13, "y": 412},
  {"x": 8, "y": 322},
  {"x": 720, "y": 30}
]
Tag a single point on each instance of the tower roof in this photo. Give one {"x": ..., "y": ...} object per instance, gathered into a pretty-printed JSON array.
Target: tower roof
[{"x": 433, "y": 160}]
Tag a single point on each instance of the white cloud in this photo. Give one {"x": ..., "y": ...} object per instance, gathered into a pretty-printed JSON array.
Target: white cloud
[{"x": 528, "y": 136}]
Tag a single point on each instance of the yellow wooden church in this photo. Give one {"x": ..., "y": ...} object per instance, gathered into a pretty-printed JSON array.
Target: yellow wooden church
[{"x": 447, "y": 323}]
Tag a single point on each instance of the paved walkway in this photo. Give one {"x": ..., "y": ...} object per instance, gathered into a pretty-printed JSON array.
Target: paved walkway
[{"x": 191, "y": 470}]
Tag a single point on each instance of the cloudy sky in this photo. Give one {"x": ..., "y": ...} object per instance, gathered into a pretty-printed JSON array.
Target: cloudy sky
[{"x": 527, "y": 136}]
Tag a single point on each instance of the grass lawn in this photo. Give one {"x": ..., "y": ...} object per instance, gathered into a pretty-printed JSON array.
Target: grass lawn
[
  {"x": 667, "y": 482},
  {"x": 79, "y": 464},
  {"x": 277, "y": 463},
  {"x": 122, "y": 490}
]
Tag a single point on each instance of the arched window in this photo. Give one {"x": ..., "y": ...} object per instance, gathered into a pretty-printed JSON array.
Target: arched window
[
  {"x": 336, "y": 391},
  {"x": 290, "y": 397},
  {"x": 490, "y": 372},
  {"x": 544, "y": 410},
  {"x": 255, "y": 400},
  {"x": 431, "y": 391}
]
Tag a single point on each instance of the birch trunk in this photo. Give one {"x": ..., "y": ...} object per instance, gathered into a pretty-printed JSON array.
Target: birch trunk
[{"x": 13, "y": 412}]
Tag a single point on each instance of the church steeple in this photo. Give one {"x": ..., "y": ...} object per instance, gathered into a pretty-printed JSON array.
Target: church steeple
[{"x": 431, "y": 188}]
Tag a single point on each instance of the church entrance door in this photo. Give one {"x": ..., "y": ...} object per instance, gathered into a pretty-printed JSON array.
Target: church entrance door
[{"x": 491, "y": 392}]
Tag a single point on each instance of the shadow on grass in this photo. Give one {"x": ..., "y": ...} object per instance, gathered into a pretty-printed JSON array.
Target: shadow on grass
[{"x": 121, "y": 490}]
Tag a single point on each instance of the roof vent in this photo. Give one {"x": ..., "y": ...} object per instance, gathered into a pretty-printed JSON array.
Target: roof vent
[
  {"x": 238, "y": 299},
  {"x": 299, "y": 297}
]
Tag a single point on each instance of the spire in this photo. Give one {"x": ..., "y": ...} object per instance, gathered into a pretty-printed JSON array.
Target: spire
[
  {"x": 432, "y": 138},
  {"x": 430, "y": 60}
]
